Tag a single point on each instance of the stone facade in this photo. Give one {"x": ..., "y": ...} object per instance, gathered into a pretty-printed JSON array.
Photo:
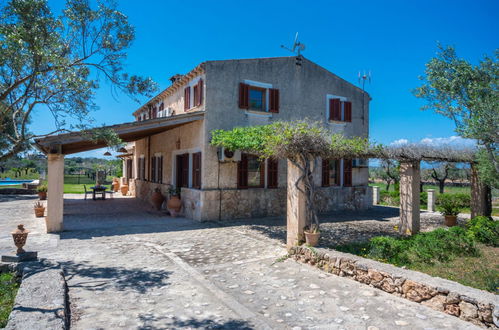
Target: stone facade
[
  {"x": 472, "y": 305},
  {"x": 304, "y": 92}
]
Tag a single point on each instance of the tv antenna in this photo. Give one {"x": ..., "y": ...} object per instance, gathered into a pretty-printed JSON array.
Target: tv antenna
[
  {"x": 297, "y": 46},
  {"x": 364, "y": 77}
]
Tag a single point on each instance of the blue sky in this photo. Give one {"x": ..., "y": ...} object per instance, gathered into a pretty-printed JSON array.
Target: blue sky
[{"x": 393, "y": 39}]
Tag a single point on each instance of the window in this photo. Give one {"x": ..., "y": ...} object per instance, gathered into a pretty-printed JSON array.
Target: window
[
  {"x": 255, "y": 98},
  {"x": 250, "y": 172},
  {"x": 272, "y": 173},
  {"x": 330, "y": 172},
  {"x": 157, "y": 169},
  {"x": 182, "y": 171},
  {"x": 340, "y": 110},
  {"x": 196, "y": 170}
]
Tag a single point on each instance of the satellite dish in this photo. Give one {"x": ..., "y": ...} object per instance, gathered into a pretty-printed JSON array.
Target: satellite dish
[{"x": 297, "y": 46}]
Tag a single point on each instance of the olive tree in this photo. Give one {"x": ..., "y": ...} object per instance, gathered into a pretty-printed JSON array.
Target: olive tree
[{"x": 55, "y": 64}]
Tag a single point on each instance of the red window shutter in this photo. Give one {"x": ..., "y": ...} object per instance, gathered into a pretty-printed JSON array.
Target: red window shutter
[
  {"x": 336, "y": 109},
  {"x": 325, "y": 172},
  {"x": 242, "y": 172},
  {"x": 348, "y": 111},
  {"x": 187, "y": 98},
  {"x": 185, "y": 170},
  {"x": 272, "y": 173},
  {"x": 337, "y": 177},
  {"x": 331, "y": 105},
  {"x": 243, "y": 96},
  {"x": 347, "y": 172},
  {"x": 274, "y": 100},
  {"x": 196, "y": 170},
  {"x": 200, "y": 91},
  {"x": 153, "y": 169}
]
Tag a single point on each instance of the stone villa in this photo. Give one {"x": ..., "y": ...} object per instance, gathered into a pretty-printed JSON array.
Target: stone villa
[{"x": 223, "y": 184}]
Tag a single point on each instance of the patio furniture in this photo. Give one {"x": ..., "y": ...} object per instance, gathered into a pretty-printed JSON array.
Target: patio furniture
[
  {"x": 86, "y": 191},
  {"x": 98, "y": 190},
  {"x": 31, "y": 185}
]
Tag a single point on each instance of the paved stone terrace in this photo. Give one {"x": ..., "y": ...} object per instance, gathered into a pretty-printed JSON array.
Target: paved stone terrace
[{"x": 130, "y": 267}]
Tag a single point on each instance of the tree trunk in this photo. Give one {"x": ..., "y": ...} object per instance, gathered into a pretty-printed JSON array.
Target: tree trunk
[{"x": 441, "y": 186}]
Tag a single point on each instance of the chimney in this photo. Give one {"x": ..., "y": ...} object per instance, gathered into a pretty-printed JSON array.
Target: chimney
[{"x": 175, "y": 78}]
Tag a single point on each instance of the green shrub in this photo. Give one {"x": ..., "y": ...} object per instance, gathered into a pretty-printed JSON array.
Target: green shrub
[
  {"x": 464, "y": 199},
  {"x": 42, "y": 188},
  {"x": 450, "y": 204},
  {"x": 438, "y": 245},
  {"x": 484, "y": 230},
  {"x": 423, "y": 198},
  {"x": 390, "y": 197}
]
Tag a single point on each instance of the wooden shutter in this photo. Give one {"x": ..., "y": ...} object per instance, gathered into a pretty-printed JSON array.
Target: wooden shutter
[
  {"x": 185, "y": 170},
  {"x": 348, "y": 111},
  {"x": 272, "y": 173},
  {"x": 187, "y": 98},
  {"x": 338, "y": 173},
  {"x": 274, "y": 100},
  {"x": 331, "y": 106},
  {"x": 153, "y": 169},
  {"x": 325, "y": 172},
  {"x": 243, "y": 96},
  {"x": 200, "y": 92},
  {"x": 347, "y": 172},
  {"x": 160, "y": 169},
  {"x": 336, "y": 109},
  {"x": 196, "y": 170},
  {"x": 242, "y": 172}
]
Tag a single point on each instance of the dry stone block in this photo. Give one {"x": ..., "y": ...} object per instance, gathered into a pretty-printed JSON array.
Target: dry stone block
[
  {"x": 485, "y": 313},
  {"x": 452, "y": 309},
  {"x": 417, "y": 292},
  {"x": 436, "y": 303},
  {"x": 388, "y": 285},
  {"x": 375, "y": 276},
  {"x": 468, "y": 311}
]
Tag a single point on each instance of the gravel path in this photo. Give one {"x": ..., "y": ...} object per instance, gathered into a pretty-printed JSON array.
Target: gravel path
[{"x": 133, "y": 268}]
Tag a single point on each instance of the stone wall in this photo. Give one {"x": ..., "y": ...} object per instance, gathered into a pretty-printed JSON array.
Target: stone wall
[{"x": 472, "y": 305}]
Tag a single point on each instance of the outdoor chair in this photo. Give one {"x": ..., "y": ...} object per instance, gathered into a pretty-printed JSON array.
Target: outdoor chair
[{"x": 86, "y": 191}]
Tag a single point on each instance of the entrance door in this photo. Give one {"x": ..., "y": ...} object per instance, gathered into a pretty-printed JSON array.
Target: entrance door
[{"x": 183, "y": 170}]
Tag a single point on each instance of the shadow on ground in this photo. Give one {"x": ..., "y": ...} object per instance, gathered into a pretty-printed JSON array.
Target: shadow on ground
[
  {"x": 122, "y": 279},
  {"x": 191, "y": 323}
]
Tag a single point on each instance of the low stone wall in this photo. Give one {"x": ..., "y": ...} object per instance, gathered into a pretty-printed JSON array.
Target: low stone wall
[
  {"x": 476, "y": 306},
  {"x": 41, "y": 301}
]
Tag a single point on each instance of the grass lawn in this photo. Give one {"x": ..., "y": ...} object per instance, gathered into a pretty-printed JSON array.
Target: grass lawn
[
  {"x": 74, "y": 185},
  {"x": 478, "y": 272},
  {"x": 8, "y": 291},
  {"x": 13, "y": 186}
]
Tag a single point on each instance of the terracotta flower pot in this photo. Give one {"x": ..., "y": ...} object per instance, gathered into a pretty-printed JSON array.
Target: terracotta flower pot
[
  {"x": 124, "y": 189},
  {"x": 39, "y": 212},
  {"x": 312, "y": 239},
  {"x": 157, "y": 199},
  {"x": 42, "y": 195},
  {"x": 450, "y": 220},
  {"x": 174, "y": 203}
]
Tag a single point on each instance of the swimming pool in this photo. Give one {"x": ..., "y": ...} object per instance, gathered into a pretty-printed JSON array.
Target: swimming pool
[{"x": 13, "y": 182}]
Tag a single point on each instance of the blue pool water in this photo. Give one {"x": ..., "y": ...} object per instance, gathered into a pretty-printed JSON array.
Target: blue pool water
[{"x": 10, "y": 182}]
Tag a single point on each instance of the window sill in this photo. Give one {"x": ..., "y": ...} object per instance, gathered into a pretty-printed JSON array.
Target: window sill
[
  {"x": 258, "y": 113},
  {"x": 338, "y": 122}
]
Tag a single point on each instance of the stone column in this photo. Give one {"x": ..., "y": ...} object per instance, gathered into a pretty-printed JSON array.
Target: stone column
[
  {"x": 409, "y": 198},
  {"x": 480, "y": 195},
  {"x": 296, "y": 208},
  {"x": 55, "y": 193},
  {"x": 432, "y": 197},
  {"x": 376, "y": 196}
]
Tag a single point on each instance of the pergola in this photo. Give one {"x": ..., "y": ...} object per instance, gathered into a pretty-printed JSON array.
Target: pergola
[
  {"x": 57, "y": 146},
  {"x": 410, "y": 157}
]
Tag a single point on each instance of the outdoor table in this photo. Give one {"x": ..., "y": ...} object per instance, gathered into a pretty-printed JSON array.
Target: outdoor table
[{"x": 98, "y": 190}]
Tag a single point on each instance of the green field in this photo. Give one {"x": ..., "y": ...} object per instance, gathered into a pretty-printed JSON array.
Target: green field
[
  {"x": 75, "y": 185},
  {"x": 8, "y": 291}
]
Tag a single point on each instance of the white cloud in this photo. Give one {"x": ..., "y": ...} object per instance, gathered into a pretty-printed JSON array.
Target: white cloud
[
  {"x": 399, "y": 142},
  {"x": 455, "y": 141}
]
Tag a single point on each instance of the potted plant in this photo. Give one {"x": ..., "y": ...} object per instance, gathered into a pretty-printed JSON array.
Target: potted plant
[
  {"x": 450, "y": 207},
  {"x": 312, "y": 235},
  {"x": 174, "y": 203},
  {"x": 157, "y": 198},
  {"x": 39, "y": 209},
  {"x": 42, "y": 192}
]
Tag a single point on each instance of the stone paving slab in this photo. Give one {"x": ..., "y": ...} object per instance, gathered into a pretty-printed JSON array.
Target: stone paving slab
[{"x": 158, "y": 273}]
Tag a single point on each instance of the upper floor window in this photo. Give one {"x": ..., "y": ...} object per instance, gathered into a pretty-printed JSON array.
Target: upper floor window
[
  {"x": 258, "y": 98},
  {"x": 196, "y": 99},
  {"x": 339, "y": 109}
]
